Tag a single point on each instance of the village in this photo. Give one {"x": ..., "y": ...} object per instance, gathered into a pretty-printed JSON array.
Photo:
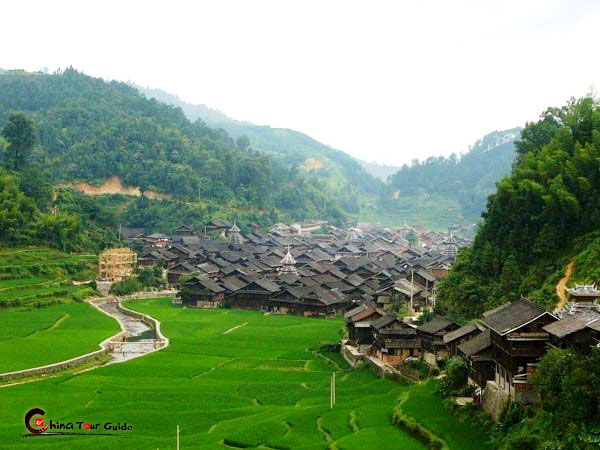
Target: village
[{"x": 383, "y": 282}]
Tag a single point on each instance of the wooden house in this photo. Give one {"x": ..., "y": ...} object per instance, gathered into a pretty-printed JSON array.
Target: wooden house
[
  {"x": 394, "y": 344},
  {"x": 183, "y": 230},
  {"x": 570, "y": 332},
  {"x": 458, "y": 336},
  {"x": 518, "y": 341},
  {"x": 479, "y": 356},
  {"x": 201, "y": 292},
  {"x": 255, "y": 295},
  {"x": 359, "y": 326},
  {"x": 177, "y": 271},
  {"x": 432, "y": 338}
]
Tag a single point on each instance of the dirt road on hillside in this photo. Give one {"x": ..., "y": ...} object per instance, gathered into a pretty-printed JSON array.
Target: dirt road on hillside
[{"x": 562, "y": 284}]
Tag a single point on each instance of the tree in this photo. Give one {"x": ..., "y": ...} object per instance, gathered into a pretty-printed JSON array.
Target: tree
[
  {"x": 3, "y": 147},
  {"x": 19, "y": 131},
  {"x": 456, "y": 375}
]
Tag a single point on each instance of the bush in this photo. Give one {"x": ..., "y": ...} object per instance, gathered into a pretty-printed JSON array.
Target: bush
[
  {"x": 126, "y": 287},
  {"x": 456, "y": 377}
]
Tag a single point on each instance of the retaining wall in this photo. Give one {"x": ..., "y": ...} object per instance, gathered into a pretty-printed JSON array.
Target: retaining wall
[
  {"x": 352, "y": 356},
  {"x": 494, "y": 399},
  {"x": 62, "y": 365}
]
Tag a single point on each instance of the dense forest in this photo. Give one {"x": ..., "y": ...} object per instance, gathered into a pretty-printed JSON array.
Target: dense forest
[
  {"x": 540, "y": 217},
  {"x": 544, "y": 215},
  {"x": 438, "y": 192},
  {"x": 89, "y": 130},
  {"x": 341, "y": 177},
  {"x": 466, "y": 180}
]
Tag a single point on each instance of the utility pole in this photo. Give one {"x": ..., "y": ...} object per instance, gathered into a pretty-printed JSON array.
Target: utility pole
[
  {"x": 412, "y": 280},
  {"x": 177, "y": 437},
  {"x": 332, "y": 391}
]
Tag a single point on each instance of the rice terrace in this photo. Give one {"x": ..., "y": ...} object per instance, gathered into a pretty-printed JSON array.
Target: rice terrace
[{"x": 262, "y": 385}]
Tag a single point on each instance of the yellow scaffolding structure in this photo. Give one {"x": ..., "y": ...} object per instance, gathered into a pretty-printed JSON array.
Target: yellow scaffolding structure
[{"x": 114, "y": 264}]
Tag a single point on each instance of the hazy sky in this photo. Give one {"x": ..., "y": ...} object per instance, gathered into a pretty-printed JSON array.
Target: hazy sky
[{"x": 382, "y": 80}]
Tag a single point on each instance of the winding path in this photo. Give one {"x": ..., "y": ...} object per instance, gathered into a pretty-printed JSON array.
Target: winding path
[
  {"x": 137, "y": 338},
  {"x": 562, "y": 284}
]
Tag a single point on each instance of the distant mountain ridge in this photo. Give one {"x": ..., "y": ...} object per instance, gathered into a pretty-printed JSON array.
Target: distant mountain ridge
[
  {"x": 438, "y": 191},
  {"x": 461, "y": 182},
  {"x": 341, "y": 176}
]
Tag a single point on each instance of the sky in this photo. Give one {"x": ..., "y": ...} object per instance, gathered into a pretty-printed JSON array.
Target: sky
[{"x": 386, "y": 81}]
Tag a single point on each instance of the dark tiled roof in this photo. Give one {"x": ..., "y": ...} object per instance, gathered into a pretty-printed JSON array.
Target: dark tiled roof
[
  {"x": 564, "y": 327},
  {"x": 383, "y": 322},
  {"x": 435, "y": 325},
  {"x": 354, "y": 311},
  {"x": 595, "y": 325},
  {"x": 206, "y": 283},
  {"x": 462, "y": 331},
  {"x": 512, "y": 315},
  {"x": 233, "y": 283},
  {"x": 476, "y": 344}
]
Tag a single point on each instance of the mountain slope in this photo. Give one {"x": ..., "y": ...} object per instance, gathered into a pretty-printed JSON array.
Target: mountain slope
[
  {"x": 461, "y": 183},
  {"x": 341, "y": 176},
  {"x": 543, "y": 215},
  {"x": 91, "y": 130}
]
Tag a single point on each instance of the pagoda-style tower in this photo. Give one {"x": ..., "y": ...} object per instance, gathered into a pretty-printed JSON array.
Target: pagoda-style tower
[
  {"x": 288, "y": 262},
  {"x": 352, "y": 235},
  {"x": 450, "y": 247},
  {"x": 234, "y": 234},
  {"x": 584, "y": 293}
]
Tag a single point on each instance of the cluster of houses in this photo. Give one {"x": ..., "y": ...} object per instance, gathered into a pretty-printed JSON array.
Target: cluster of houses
[
  {"x": 501, "y": 349},
  {"x": 308, "y": 268},
  {"x": 368, "y": 273}
]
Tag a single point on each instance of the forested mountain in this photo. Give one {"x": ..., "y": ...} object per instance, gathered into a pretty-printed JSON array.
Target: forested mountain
[
  {"x": 90, "y": 130},
  {"x": 381, "y": 171},
  {"x": 341, "y": 177},
  {"x": 543, "y": 215},
  {"x": 437, "y": 192},
  {"x": 462, "y": 182}
]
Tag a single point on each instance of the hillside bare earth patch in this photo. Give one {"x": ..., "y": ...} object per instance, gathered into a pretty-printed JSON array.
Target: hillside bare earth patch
[{"x": 113, "y": 185}]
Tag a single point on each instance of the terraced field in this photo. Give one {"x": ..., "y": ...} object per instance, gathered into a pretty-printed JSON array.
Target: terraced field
[
  {"x": 226, "y": 386},
  {"x": 41, "y": 276}
]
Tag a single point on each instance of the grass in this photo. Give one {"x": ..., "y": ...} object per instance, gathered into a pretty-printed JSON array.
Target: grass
[
  {"x": 426, "y": 406},
  {"x": 36, "y": 337},
  {"x": 258, "y": 386}
]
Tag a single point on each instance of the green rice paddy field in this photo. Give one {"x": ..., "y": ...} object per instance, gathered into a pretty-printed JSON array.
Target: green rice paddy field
[
  {"x": 257, "y": 386},
  {"x": 36, "y": 337}
]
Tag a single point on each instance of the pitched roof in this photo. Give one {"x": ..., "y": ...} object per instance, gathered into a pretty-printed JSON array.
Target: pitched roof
[
  {"x": 354, "y": 311},
  {"x": 461, "y": 332},
  {"x": 435, "y": 325},
  {"x": 564, "y": 327},
  {"x": 206, "y": 283},
  {"x": 383, "y": 321},
  {"x": 233, "y": 283},
  {"x": 354, "y": 280},
  {"x": 513, "y": 315},
  {"x": 476, "y": 344},
  {"x": 594, "y": 325}
]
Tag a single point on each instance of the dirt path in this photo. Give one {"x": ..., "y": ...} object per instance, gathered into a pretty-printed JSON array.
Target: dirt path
[
  {"x": 562, "y": 284},
  {"x": 235, "y": 328}
]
